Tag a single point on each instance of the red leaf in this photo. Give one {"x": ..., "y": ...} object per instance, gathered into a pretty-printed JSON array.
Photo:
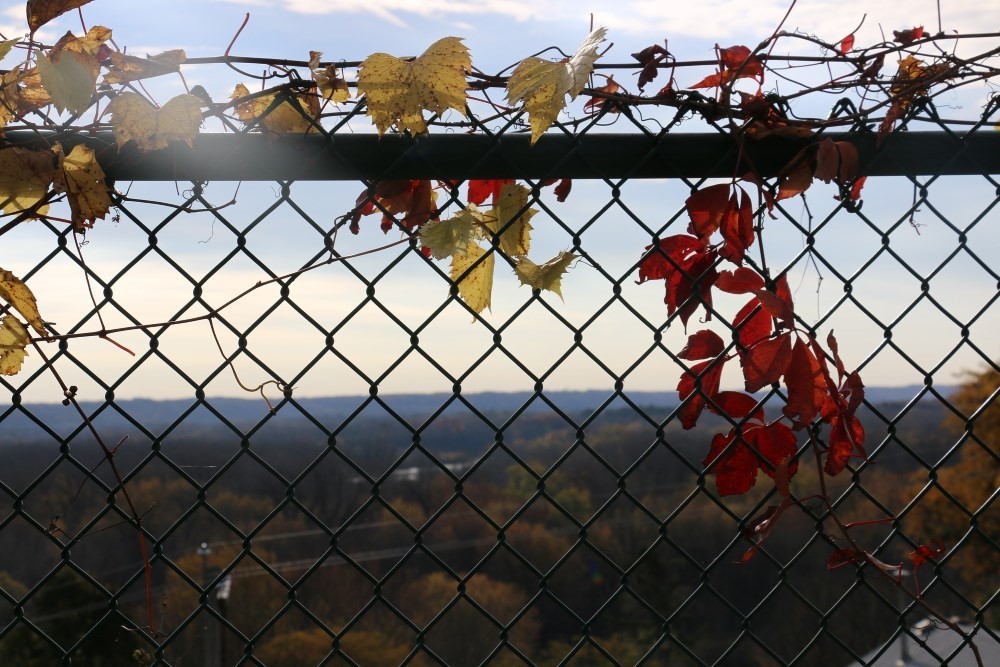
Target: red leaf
[
  {"x": 776, "y": 444},
  {"x": 846, "y": 435},
  {"x": 842, "y": 557},
  {"x": 596, "y": 103},
  {"x": 856, "y": 188},
  {"x": 702, "y": 345},
  {"x": 480, "y": 190},
  {"x": 807, "y": 388},
  {"x": 736, "y": 405},
  {"x": 924, "y": 554},
  {"x": 735, "y": 469},
  {"x": 752, "y": 327},
  {"x": 734, "y": 56},
  {"x": 836, "y": 161},
  {"x": 846, "y": 44},
  {"x": 396, "y": 198},
  {"x": 562, "y": 190},
  {"x": 743, "y": 280},
  {"x": 766, "y": 362},
  {"x": 692, "y": 287},
  {"x": 648, "y": 58},
  {"x": 737, "y": 229},
  {"x": 776, "y": 307},
  {"x": 655, "y": 265},
  {"x": 796, "y": 182},
  {"x": 905, "y": 37},
  {"x": 700, "y": 380},
  {"x": 706, "y": 208}
]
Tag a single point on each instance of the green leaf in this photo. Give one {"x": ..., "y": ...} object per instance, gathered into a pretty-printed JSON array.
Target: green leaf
[{"x": 69, "y": 80}]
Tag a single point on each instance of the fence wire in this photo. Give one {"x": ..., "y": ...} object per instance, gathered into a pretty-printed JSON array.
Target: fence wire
[{"x": 462, "y": 527}]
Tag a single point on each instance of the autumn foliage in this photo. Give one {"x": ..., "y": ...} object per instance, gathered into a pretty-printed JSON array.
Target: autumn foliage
[{"x": 480, "y": 225}]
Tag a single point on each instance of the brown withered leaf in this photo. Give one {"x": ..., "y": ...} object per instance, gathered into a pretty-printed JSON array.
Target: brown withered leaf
[
  {"x": 125, "y": 68},
  {"x": 41, "y": 12}
]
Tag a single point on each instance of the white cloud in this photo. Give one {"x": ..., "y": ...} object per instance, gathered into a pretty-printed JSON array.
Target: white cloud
[{"x": 714, "y": 19}]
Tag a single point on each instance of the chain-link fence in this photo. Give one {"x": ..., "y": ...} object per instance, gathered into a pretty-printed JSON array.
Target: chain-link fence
[{"x": 420, "y": 488}]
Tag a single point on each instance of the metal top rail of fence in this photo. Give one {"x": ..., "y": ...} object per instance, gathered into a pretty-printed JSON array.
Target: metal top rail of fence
[{"x": 416, "y": 488}]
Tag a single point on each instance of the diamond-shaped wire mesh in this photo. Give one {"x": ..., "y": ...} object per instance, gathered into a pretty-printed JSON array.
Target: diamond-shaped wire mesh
[{"x": 458, "y": 526}]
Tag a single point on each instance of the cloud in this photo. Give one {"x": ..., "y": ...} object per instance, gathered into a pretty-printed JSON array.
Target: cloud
[{"x": 720, "y": 20}]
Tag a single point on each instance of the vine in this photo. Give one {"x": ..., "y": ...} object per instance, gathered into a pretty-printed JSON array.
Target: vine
[{"x": 56, "y": 85}]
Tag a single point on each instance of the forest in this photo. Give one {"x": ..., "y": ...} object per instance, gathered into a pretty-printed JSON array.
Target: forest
[{"x": 591, "y": 533}]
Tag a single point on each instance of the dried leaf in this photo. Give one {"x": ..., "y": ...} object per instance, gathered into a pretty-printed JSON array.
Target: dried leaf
[
  {"x": 41, "y": 12},
  {"x": 510, "y": 219},
  {"x": 446, "y": 238},
  {"x": 82, "y": 179},
  {"x": 397, "y": 92},
  {"x": 284, "y": 117},
  {"x": 846, "y": 44},
  {"x": 133, "y": 118},
  {"x": 25, "y": 177},
  {"x": 126, "y": 68},
  {"x": 543, "y": 85},
  {"x": 476, "y": 288},
  {"x": 547, "y": 276},
  {"x": 19, "y": 295},
  {"x": 13, "y": 341},
  {"x": 906, "y": 37}
]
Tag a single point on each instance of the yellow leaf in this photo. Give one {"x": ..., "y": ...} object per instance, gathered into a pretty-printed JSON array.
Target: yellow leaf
[
  {"x": 88, "y": 46},
  {"x": 6, "y": 46},
  {"x": 330, "y": 84},
  {"x": 68, "y": 80},
  {"x": 543, "y": 85},
  {"x": 397, "y": 92},
  {"x": 284, "y": 118},
  {"x": 25, "y": 177},
  {"x": 134, "y": 119},
  {"x": 450, "y": 237},
  {"x": 548, "y": 276},
  {"x": 82, "y": 179},
  {"x": 17, "y": 294},
  {"x": 129, "y": 68},
  {"x": 13, "y": 340},
  {"x": 511, "y": 215},
  {"x": 32, "y": 96},
  {"x": 476, "y": 288},
  {"x": 41, "y": 12}
]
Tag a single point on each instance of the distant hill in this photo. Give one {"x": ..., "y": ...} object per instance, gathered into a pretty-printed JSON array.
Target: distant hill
[{"x": 32, "y": 422}]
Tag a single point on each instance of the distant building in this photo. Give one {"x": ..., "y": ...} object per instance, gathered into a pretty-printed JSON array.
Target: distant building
[{"x": 927, "y": 645}]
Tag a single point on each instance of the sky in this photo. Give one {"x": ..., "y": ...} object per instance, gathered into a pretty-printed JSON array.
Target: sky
[{"x": 499, "y": 33}]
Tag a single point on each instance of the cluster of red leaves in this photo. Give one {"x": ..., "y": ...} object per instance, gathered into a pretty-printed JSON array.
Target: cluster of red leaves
[
  {"x": 412, "y": 204},
  {"x": 828, "y": 161},
  {"x": 735, "y": 62},
  {"x": 409, "y": 202},
  {"x": 769, "y": 349}
]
